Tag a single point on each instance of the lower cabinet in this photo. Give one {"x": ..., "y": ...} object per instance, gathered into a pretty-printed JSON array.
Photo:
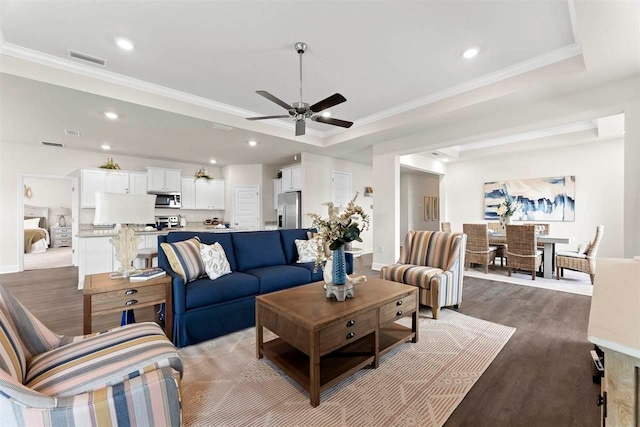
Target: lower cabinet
[{"x": 97, "y": 255}]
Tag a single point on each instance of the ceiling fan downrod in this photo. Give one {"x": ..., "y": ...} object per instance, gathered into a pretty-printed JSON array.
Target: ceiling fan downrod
[{"x": 301, "y": 48}]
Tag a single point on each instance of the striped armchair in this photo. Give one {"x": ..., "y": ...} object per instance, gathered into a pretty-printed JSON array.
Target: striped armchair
[
  {"x": 434, "y": 262},
  {"x": 126, "y": 376}
]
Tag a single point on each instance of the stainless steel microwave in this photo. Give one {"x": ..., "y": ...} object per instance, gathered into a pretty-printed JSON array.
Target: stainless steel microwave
[{"x": 168, "y": 200}]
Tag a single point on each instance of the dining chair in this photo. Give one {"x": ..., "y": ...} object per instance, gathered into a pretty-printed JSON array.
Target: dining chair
[
  {"x": 478, "y": 249},
  {"x": 522, "y": 249},
  {"x": 446, "y": 227},
  {"x": 583, "y": 260},
  {"x": 499, "y": 243}
]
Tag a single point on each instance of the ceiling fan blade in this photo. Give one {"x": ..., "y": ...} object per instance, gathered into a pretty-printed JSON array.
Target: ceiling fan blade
[
  {"x": 329, "y": 102},
  {"x": 300, "y": 127},
  {"x": 272, "y": 98},
  {"x": 332, "y": 121},
  {"x": 268, "y": 117}
]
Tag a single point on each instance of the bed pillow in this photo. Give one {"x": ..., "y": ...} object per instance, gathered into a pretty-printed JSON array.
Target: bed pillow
[
  {"x": 31, "y": 223},
  {"x": 307, "y": 249},
  {"x": 184, "y": 258},
  {"x": 215, "y": 260}
]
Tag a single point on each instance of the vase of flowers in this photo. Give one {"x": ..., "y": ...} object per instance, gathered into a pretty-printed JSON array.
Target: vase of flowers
[
  {"x": 506, "y": 210},
  {"x": 336, "y": 230}
]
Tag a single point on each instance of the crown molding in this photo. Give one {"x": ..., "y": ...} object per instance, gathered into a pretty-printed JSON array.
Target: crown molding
[
  {"x": 67, "y": 65},
  {"x": 555, "y": 56}
]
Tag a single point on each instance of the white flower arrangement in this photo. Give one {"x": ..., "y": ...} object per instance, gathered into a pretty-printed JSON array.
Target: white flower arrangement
[{"x": 507, "y": 208}]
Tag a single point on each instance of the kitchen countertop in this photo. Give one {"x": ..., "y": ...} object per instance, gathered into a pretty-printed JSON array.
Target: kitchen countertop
[{"x": 164, "y": 231}]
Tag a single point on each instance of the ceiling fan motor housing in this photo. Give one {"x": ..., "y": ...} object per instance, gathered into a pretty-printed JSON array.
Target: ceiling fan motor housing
[{"x": 301, "y": 47}]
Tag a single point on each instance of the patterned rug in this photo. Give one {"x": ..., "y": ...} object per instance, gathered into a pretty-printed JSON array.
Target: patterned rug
[{"x": 417, "y": 384}]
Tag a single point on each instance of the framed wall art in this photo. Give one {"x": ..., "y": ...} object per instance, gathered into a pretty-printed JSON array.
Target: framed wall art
[
  {"x": 427, "y": 208},
  {"x": 542, "y": 199},
  {"x": 435, "y": 209}
]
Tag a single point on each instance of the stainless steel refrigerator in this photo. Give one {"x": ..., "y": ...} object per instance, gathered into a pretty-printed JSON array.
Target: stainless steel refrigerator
[{"x": 289, "y": 208}]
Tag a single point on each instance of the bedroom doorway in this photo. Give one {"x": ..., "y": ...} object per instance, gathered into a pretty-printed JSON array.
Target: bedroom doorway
[{"x": 49, "y": 207}]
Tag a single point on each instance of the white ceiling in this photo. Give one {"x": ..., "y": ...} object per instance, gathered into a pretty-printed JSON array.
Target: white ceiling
[{"x": 388, "y": 58}]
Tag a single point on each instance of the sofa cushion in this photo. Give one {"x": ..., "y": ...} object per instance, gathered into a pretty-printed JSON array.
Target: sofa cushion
[
  {"x": 277, "y": 277},
  {"x": 416, "y": 275},
  {"x": 208, "y": 239},
  {"x": 214, "y": 260},
  {"x": 315, "y": 277},
  {"x": 12, "y": 359},
  {"x": 184, "y": 258},
  {"x": 102, "y": 359},
  {"x": 257, "y": 249},
  {"x": 204, "y": 291},
  {"x": 288, "y": 238}
]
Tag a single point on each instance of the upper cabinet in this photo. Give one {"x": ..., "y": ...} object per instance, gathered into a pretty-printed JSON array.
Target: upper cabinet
[
  {"x": 137, "y": 183},
  {"x": 292, "y": 179},
  {"x": 164, "y": 180},
  {"x": 101, "y": 180},
  {"x": 203, "y": 194}
]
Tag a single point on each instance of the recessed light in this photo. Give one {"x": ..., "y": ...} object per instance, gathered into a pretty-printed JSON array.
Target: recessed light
[
  {"x": 445, "y": 160},
  {"x": 124, "y": 44},
  {"x": 326, "y": 114},
  {"x": 252, "y": 143},
  {"x": 110, "y": 115},
  {"x": 105, "y": 147},
  {"x": 212, "y": 161},
  {"x": 470, "y": 53}
]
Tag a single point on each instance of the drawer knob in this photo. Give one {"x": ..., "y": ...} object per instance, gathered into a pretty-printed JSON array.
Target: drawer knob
[
  {"x": 351, "y": 323},
  {"x": 131, "y": 292},
  {"x": 399, "y": 302},
  {"x": 131, "y": 302},
  {"x": 399, "y": 313},
  {"x": 351, "y": 335}
]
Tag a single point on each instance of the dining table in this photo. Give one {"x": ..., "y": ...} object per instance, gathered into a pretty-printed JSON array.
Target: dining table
[{"x": 548, "y": 250}]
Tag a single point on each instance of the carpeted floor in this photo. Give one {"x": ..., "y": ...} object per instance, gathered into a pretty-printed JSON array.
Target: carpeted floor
[
  {"x": 52, "y": 258},
  {"x": 415, "y": 385}
]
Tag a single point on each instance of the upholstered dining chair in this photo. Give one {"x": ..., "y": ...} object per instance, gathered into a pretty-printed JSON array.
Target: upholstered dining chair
[
  {"x": 125, "y": 376},
  {"x": 583, "y": 260},
  {"x": 478, "y": 249},
  {"x": 446, "y": 227},
  {"x": 522, "y": 249}
]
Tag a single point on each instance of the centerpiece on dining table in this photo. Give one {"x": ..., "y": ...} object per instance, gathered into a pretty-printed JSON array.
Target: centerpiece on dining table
[
  {"x": 336, "y": 230},
  {"x": 506, "y": 210}
]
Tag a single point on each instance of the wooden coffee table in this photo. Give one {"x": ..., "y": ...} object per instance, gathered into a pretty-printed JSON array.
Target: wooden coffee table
[{"x": 322, "y": 341}]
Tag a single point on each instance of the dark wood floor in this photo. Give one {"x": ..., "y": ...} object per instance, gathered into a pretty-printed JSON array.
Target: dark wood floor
[{"x": 542, "y": 377}]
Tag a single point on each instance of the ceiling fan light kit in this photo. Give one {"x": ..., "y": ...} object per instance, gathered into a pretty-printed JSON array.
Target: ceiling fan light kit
[{"x": 301, "y": 111}]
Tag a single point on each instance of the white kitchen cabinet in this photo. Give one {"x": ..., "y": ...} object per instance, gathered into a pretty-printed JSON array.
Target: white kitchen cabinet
[
  {"x": 277, "y": 189},
  {"x": 164, "y": 180},
  {"x": 92, "y": 181},
  {"x": 188, "y": 193},
  {"x": 95, "y": 255},
  {"x": 137, "y": 183},
  {"x": 292, "y": 179},
  {"x": 203, "y": 194}
]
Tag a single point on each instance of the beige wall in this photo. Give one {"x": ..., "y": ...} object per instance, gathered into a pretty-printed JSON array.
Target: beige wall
[
  {"x": 316, "y": 189},
  {"x": 413, "y": 189}
]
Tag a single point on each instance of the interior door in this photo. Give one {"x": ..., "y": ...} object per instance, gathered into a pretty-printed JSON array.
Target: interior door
[{"x": 246, "y": 207}]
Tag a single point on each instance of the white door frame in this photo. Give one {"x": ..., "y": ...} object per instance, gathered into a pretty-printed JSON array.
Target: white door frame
[
  {"x": 74, "y": 214},
  {"x": 255, "y": 188}
]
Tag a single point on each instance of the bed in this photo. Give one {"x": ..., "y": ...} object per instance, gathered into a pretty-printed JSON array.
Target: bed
[{"x": 36, "y": 234}]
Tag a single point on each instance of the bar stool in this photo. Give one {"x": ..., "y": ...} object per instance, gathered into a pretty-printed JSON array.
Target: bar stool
[{"x": 147, "y": 254}]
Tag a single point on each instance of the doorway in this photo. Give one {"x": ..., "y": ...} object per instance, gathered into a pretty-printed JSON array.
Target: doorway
[
  {"x": 246, "y": 207},
  {"x": 49, "y": 241}
]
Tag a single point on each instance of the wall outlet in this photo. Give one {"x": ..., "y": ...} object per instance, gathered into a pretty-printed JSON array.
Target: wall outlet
[{"x": 381, "y": 249}]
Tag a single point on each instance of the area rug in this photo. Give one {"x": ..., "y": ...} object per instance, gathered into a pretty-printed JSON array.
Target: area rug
[{"x": 415, "y": 385}]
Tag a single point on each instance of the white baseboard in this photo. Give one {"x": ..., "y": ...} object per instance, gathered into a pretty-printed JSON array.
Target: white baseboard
[{"x": 9, "y": 269}]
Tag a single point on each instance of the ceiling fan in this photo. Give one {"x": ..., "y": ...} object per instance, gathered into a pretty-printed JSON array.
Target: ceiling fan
[{"x": 301, "y": 111}]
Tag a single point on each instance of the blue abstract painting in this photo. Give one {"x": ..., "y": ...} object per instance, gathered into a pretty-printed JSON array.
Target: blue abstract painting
[{"x": 542, "y": 199}]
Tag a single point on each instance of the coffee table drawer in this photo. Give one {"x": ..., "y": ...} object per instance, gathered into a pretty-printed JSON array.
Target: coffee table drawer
[
  {"x": 126, "y": 299},
  {"x": 398, "y": 308},
  {"x": 337, "y": 335}
]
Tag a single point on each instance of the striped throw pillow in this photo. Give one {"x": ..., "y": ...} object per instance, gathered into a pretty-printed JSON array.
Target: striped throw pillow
[{"x": 184, "y": 258}]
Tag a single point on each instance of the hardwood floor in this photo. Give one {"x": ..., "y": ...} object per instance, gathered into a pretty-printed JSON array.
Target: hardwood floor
[{"x": 542, "y": 377}]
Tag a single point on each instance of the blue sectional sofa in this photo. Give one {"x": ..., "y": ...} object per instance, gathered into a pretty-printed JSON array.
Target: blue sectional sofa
[{"x": 261, "y": 262}]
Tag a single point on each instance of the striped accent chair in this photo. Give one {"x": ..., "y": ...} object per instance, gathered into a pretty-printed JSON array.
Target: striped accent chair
[
  {"x": 126, "y": 376},
  {"x": 434, "y": 262}
]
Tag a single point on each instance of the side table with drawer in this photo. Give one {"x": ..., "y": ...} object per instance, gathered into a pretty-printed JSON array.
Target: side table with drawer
[
  {"x": 60, "y": 236},
  {"x": 104, "y": 295}
]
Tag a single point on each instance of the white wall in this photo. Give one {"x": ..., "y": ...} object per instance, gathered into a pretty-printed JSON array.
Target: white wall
[
  {"x": 413, "y": 189},
  {"x": 316, "y": 189},
  {"x": 51, "y": 193},
  {"x": 599, "y": 189},
  {"x": 36, "y": 159},
  {"x": 269, "y": 173}
]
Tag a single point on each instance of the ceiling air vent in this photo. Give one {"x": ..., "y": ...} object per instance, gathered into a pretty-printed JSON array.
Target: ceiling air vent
[
  {"x": 220, "y": 126},
  {"x": 87, "y": 58},
  {"x": 52, "y": 144},
  {"x": 71, "y": 132},
  {"x": 435, "y": 154}
]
